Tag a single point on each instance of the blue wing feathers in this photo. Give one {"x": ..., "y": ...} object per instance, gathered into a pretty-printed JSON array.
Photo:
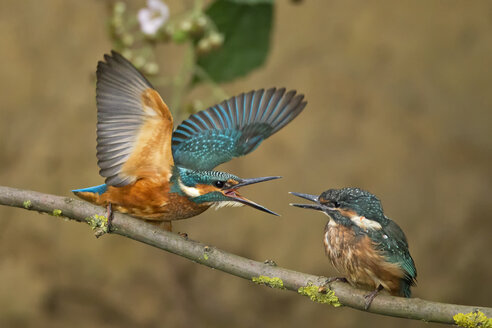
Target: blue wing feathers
[
  {"x": 194, "y": 126},
  {"x": 234, "y": 127},
  {"x": 258, "y": 104},
  {"x": 266, "y": 103},
  {"x": 223, "y": 115},
  {"x": 213, "y": 120},
  {"x": 395, "y": 249},
  {"x": 233, "y": 109},
  {"x": 249, "y": 99},
  {"x": 183, "y": 133},
  {"x": 244, "y": 109},
  {"x": 202, "y": 122},
  {"x": 187, "y": 127},
  {"x": 218, "y": 121}
]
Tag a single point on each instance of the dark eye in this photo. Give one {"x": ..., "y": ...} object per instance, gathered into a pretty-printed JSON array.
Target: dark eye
[
  {"x": 219, "y": 183},
  {"x": 336, "y": 204}
]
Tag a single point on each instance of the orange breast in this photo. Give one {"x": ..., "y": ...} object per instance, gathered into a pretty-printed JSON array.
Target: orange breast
[
  {"x": 356, "y": 258},
  {"x": 147, "y": 198}
]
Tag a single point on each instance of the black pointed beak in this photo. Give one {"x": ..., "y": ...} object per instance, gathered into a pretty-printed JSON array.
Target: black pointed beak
[
  {"x": 312, "y": 198},
  {"x": 248, "y": 202},
  {"x": 246, "y": 182},
  {"x": 233, "y": 195}
]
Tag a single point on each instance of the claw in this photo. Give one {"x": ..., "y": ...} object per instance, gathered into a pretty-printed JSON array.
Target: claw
[
  {"x": 109, "y": 215},
  {"x": 370, "y": 297},
  {"x": 333, "y": 279}
]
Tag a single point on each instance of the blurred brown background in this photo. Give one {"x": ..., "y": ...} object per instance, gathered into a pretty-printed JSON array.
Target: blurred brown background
[{"x": 399, "y": 103}]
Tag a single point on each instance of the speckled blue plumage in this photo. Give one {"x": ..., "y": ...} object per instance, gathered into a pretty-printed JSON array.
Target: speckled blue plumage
[
  {"x": 390, "y": 240},
  {"x": 233, "y": 128}
]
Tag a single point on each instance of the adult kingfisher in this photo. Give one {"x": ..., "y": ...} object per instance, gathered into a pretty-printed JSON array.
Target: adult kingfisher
[
  {"x": 363, "y": 244},
  {"x": 156, "y": 174}
]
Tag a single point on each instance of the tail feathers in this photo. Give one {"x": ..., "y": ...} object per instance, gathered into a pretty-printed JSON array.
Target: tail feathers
[
  {"x": 101, "y": 189},
  {"x": 405, "y": 288}
]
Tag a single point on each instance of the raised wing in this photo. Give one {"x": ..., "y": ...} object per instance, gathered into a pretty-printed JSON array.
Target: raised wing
[
  {"x": 134, "y": 125},
  {"x": 234, "y": 127}
]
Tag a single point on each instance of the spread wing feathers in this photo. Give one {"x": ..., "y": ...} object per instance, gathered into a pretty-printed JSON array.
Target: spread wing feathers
[
  {"x": 134, "y": 125},
  {"x": 395, "y": 248},
  {"x": 234, "y": 127}
]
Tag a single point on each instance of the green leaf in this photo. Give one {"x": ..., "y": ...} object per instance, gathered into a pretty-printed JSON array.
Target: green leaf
[{"x": 246, "y": 25}]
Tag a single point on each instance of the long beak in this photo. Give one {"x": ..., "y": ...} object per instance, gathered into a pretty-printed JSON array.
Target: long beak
[
  {"x": 233, "y": 195},
  {"x": 246, "y": 182},
  {"x": 248, "y": 202},
  {"x": 312, "y": 198}
]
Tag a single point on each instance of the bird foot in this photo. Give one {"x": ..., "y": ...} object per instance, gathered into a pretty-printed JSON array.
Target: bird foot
[
  {"x": 333, "y": 279},
  {"x": 184, "y": 235},
  {"x": 109, "y": 215},
  {"x": 370, "y": 297},
  {"x": 323, "y": 288}
]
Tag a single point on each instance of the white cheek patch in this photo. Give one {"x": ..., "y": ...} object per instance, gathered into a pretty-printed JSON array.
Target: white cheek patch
[
  {"x": 365, "y": 224},
  {"x": 221, "y": 204},
  {"x": 189, "y": 191}
]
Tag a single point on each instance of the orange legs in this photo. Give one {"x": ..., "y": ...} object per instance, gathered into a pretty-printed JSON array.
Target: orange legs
[{"x": 109, "y": 215}]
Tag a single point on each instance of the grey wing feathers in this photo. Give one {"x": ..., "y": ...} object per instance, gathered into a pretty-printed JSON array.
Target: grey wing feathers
[{"x": 120, "y": 115}]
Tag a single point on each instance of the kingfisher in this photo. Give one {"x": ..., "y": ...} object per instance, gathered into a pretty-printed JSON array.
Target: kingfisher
[
  {"x": 362, "y": 243},
  {"x": 159, "y": 175}
]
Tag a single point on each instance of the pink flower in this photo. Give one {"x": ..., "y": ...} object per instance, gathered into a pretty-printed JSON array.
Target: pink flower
[{"x": 152, "y": 17}]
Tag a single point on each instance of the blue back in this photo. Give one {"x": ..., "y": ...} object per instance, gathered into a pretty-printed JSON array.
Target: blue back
[
  {"x": 101, "y": 189},
  {"x": 233, "y": 128}
]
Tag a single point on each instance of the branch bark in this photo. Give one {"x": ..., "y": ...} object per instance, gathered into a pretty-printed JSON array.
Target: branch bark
[{"x": 144, "y": 232}]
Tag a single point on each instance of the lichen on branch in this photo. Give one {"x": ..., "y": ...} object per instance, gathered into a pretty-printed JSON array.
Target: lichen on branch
[{"x": 337, "y": 294}]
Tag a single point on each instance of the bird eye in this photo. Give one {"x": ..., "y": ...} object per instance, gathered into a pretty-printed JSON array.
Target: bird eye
[
  {"x": 336, "y": 204},
  {"x": 219, "y": 184}
]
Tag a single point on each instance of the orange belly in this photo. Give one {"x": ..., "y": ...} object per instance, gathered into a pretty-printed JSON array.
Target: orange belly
[
  {"x": 147, "y": 199},
  {"x": 356, "y": 258}
]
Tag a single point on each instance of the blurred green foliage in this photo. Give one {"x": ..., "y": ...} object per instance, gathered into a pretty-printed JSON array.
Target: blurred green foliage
[
  {"x": 228, "y": 40},
  {"x": 246, "y": 26}
]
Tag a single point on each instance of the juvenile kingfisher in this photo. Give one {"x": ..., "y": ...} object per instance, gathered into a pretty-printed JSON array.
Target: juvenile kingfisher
[
  {"x": 363, "y": 244},
  {"x": 156, "y": 174}
]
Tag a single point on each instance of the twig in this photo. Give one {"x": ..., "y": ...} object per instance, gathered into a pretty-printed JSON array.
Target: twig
[
  {"x": 266, "y": 273},
  {"x": 218, "y": 92}
]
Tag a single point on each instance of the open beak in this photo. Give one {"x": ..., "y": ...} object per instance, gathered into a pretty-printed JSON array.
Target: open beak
[
  {"x": 312, "y": 198},
  {"x": 235, "y": 196},
  {"x": 246, "y": 182}
]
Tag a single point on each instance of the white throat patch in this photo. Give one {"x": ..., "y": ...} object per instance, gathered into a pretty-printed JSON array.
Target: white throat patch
[
  {"x": 360, "y": 221},
  {"x": 365, "y": 224},
  {"x": 226, "y": 203},
  {"x": 189, "y": 191}
]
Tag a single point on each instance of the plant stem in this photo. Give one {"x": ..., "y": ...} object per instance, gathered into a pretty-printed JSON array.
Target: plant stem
[{"x": 181, "y": 82}]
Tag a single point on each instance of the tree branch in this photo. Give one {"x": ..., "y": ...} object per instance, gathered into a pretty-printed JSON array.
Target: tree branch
[{"x": 266, "y": 273}]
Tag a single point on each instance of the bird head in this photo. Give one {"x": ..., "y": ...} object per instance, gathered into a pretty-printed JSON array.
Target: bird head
[
  {"x": 347, "y": 206},
  {"x": 219, "y": 189}
]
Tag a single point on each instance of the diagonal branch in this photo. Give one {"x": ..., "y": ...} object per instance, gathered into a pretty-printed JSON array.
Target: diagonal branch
[{"x": 265, "y": 273}]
